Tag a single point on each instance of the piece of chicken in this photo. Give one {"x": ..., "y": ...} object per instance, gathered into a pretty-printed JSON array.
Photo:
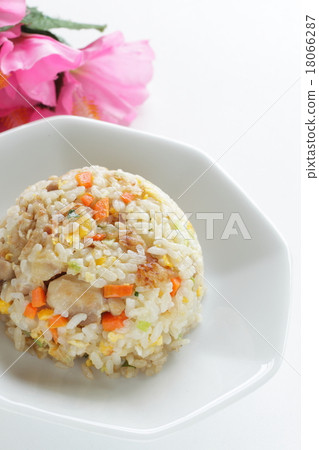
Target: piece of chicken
[
  {"x": 6, "y": 271},
  {"x": 129, "y": 240},
  {"x": 76, "y": 296},
  {"x": 46, "y": 266},
  {"x": 152, "y": 273}
]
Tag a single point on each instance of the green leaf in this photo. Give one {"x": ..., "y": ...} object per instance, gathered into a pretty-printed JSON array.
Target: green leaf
[
  {"x": 6, "y": 28},
  {"x": 35, "y": 19},
  {"x": 26, "y": 29}
]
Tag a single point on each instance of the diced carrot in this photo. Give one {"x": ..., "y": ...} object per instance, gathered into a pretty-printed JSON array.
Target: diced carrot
[
  {"x": 38, "y": 297},
  {"x": 84, "y": 179},
  {"x": 57, "y": 321},
  {"x": 54, "y": 333},
  {"x": 176, "y": 282},
  {"x": 102, "y": 209},
  {"x": 99, "y": 237},
  {"x": 87, "y": 199},
  {"x": 110, "y": 322},
  {"x": 127, "y": 197},
  {"x": 30, "y": 311},
  {"x": 118, "y": 290}
]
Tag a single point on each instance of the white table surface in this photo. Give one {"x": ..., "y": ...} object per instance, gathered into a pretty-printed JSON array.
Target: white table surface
[{"x": 219, "y": 67}]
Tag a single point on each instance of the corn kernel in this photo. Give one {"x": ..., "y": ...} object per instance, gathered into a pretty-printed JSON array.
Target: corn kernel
[
  {"x": 88, "y": 363},
  {"x": 35, "y": 334},
  {"x": 145, "y": 196},
  {"x": 44, "y": 314},
  {"x": 87, "y": 224},
  {"x": 8, "y": 256},
  {"x": 4, "y": 307},
  {"x": 105, "y": 349},
  {"x": 166, "y": 261},
  {"x": 69, "y": 239},
  {"x": 199, "y": 291},
  {"x": 83, "y": 231},
  {"x": 158, "y": 341},
  {"x": 100, "y": 261},
  {"x": 185, "y": 300},
  {"x": 189, "y": 226},
  {"x": 114, "y": 337}
]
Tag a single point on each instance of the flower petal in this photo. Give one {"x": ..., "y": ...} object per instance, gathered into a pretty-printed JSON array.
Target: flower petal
[
  {"x": 31, "y": 49},
  {"x": 23, "y": 115},
  {"x": 15, "y": 118},
  {"x": 65, "y": 101},
  {"x": 11, "y": 12},
  {"x": 40, "y": 113},
  {"x": 11, "y": 95},
  {"x": 10, "y": 34},
  {"x": 112, "y": 80},
  {"x": 36, "y": 61},
  {"x": 92, "y": 98},
  {"x": 125, "y": 65}
]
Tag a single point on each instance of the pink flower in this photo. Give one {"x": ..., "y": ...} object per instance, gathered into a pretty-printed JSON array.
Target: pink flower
[
  {"x": 32, "y": 63},
  {"x": 106, "y": 80},
  {"x": 11, "y": 12},
  {"x": 111, "y": 81},
  {"x": 22, "y": 115}
]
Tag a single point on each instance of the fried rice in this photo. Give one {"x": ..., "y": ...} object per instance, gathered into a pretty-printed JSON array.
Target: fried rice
[{"x": 100, "y": 265}]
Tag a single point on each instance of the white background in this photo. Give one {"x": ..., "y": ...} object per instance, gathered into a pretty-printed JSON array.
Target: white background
[{"x": 219, "y": 67}]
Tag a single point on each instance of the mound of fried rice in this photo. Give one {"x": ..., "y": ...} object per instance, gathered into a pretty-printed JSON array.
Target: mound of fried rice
[{"x": 100, "y": 265}]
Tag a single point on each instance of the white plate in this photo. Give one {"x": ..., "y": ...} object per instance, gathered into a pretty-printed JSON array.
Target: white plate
[{"x": 235, "y": 349}]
